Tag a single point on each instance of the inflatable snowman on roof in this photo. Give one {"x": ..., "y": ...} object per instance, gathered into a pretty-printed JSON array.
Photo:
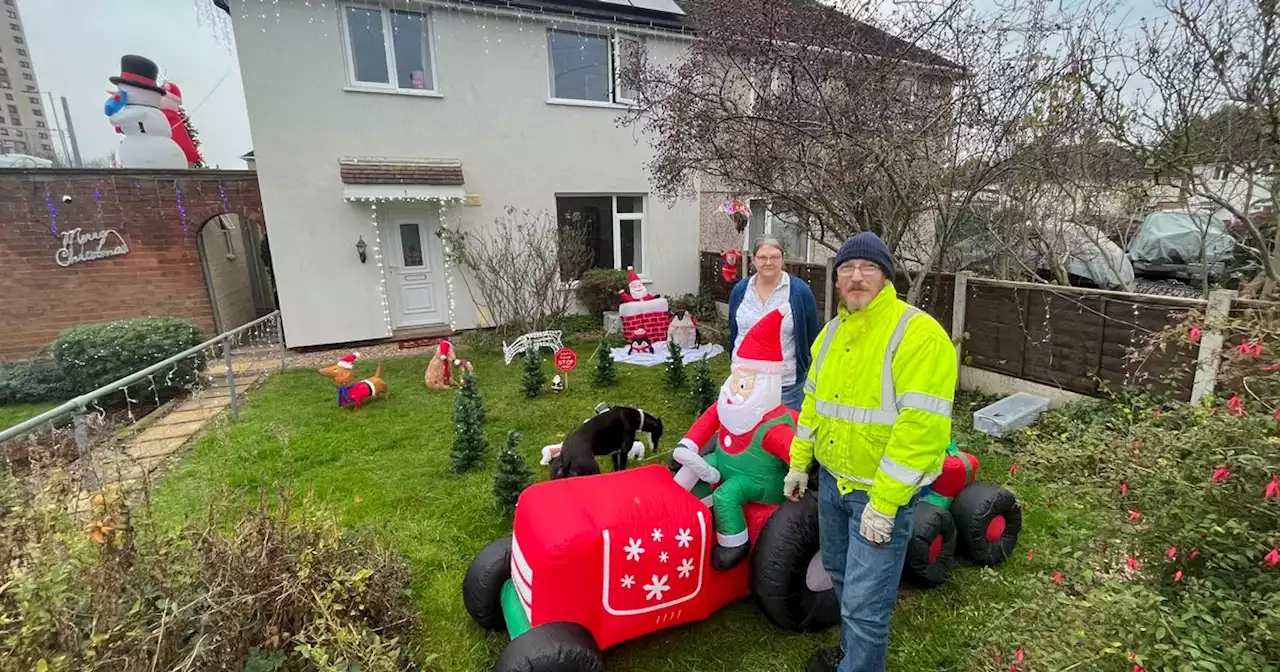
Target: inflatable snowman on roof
[{"x": 135, "y": 108}]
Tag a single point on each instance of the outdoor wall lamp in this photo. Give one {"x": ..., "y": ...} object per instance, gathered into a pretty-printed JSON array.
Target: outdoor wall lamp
[{"x": 362, "y": 250}]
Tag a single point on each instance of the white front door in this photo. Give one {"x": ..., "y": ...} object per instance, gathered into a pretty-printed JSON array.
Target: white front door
[{"x": 416, "y": 276}]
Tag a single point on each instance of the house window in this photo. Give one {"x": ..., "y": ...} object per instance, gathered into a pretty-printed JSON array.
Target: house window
[
  {"x": 37, "y": 112},
  {"x": 612, "y": 225},
  {"x": 18, "y": 40},
  {"x": 780, "y": 224},
  {"x": 588, "y": 66},
  {"x": 22, "y": 52},
  {"x": 44, "y": 136},
  {"x": 34, "y": 100},
  {"x": 11, "y": 14},
  {"x": 8, "y": 96},
  {"x": 15, "y": 26},
  {"x": 403, "y": 63},
  {"x": 39, "y": 124},
  {"x": 46, "y": 148},
  {"x": 1221, "y": 171},
  {"x": 27, "y": 75},
  {"x": 4, "y": 131}
]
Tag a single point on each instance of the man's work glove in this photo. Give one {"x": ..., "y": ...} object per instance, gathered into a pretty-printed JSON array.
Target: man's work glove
[
  {"x": 876, "y": 527},
  {"x": 794, "y": 485}
]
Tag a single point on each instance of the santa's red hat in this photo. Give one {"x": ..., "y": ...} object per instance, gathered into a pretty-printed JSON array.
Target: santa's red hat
[
  {"x": 172, "y": 90},
  {"x": 631, "y": 275},
  {"x": 349, "y": 362},
  {"x": 761, "y": 348}
]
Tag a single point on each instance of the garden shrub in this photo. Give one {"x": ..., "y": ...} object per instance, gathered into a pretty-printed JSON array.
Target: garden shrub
[
  {"x": 598, "y": 289},
  {"x": 1183, "y": 566},
  {"x": 92, "y": 355},
  {"x": 702, "y": 305},
  {"x": 33, "y": 380},
  {"x": 277, "y": 587}
]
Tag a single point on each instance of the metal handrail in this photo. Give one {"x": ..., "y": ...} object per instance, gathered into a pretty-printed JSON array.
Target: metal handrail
[{"x": 81, "y": 403}]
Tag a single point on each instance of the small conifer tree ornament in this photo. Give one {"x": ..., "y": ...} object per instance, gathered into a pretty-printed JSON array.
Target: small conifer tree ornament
[
  {"x": 534, "y": 378},
  {"x": 704, "y": 393},
  {"x": 470, "y": 391},
  {"x": 512, "y": 477},
  {"x": 605, "y": 373},
  {"x": 468, "y": 432},
  {"x": 675, "y": 365}
]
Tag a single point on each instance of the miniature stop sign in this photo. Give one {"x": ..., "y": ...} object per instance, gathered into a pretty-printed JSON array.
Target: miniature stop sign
[{"x": 566, "y": 360}]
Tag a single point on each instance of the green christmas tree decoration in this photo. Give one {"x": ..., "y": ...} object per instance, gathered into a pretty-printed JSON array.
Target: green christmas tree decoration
[
  {"x": 605, "y": 373},
  {"x": 704, "y": 392},
  {"x": 675, "y": 365},
  {"x": 195, "y": 137},
  {"x": 534, "y": 378},
  {"x": 468, "y": 431},
  {"x": 470, "y": 391},
  {"x": 513, "y": 476}
]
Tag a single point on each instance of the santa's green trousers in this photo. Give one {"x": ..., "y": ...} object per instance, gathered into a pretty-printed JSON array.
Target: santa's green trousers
[{"x": 750, "y": 476}]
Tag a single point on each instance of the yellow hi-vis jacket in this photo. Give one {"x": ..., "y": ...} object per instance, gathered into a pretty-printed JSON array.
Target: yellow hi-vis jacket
[{"x": 877, "y": 402}]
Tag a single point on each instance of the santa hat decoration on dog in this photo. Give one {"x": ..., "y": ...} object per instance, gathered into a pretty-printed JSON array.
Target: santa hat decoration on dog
[
  {"x": 761, "y": 348},
  {"x": 349, "y": 362},
  {"x": 445, "y": 348}
]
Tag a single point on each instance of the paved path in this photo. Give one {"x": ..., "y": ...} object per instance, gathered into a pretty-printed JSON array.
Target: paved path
[{"x": 134, "y": 456}]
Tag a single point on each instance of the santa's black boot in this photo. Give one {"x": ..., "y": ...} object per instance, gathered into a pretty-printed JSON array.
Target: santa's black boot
[
  {"x": 725, "y": 558},
  {"x": 825, "y": 660}
]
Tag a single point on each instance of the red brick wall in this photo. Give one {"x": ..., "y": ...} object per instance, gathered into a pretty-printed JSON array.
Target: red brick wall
[{"x": 162, "y": 273}]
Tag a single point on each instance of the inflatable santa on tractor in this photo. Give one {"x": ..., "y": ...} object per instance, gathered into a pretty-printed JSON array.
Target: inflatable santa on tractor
[{"x": 752, "y": 432}]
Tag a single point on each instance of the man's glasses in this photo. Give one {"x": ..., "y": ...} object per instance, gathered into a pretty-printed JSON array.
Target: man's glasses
[{"x": 865, "y": 270}]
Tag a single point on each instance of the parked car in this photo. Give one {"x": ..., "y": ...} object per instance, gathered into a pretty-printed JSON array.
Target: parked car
[{"x": 599, "y": 560}]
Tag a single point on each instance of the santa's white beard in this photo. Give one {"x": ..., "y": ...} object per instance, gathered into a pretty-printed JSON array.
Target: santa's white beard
[
  {"x": 637, "y": 290},
  {"x": 742, "y": 415}
]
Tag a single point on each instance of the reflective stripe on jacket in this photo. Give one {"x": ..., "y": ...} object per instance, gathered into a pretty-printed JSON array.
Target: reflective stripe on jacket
[{"x": 877, "y": 403}]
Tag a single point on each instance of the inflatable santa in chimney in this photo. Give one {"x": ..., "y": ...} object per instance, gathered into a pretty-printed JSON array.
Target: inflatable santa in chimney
[{"x": 635, "y": 290}]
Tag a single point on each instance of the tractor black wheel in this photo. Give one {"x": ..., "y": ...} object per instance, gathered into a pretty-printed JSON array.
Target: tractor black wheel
[
  {"x": 787, "y": 578},
  {"x": 931, "y": 552},
  {"x": 552, "y": 647},
  {"x": 482, "y": 585},
  {"x": 988, "y": 520}
]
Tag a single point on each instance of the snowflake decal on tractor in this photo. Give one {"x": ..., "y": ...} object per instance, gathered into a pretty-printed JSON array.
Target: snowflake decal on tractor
[
  {"x": 685, "y": 568},
  {"x": 628, "y": 581},
  {"x": 634, "y": 550},
  {"x": 656, "y": 588},
  {"x": 684, "y": 538},
  {"x": 662, "y": 557},
  {"x": 657, "y": 534}
]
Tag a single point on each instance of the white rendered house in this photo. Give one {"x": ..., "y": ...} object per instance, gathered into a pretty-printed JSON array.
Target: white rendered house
[{"x": 381, "y": 121}]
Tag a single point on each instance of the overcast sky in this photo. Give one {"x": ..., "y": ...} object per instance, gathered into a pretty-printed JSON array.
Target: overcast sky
[{"x": 77, "y": 44}]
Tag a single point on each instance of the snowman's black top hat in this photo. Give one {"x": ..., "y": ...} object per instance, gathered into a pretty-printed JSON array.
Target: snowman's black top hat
[{"x": 138, "y": 71}]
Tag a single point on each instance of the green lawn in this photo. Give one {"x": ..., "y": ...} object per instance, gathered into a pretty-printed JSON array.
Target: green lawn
[
  {"x": 16, "y": 413},
  {"x": 387, "y": 466}
]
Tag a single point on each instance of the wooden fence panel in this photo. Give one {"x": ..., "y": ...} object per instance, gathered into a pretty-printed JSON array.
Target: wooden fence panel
[
  {"x": 995, "y": 320},
  {"x": 1064, "y": 341},
  {"x": 1128, "y": 325}
]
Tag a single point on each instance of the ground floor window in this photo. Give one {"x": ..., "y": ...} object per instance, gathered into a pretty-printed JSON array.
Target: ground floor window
[
  {"x": 787, "y": 227},
  {"x": 612, "y": 226}
]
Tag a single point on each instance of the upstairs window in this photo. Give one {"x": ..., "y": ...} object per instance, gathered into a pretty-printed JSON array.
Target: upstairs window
[
  {"x": 389, "y": 49},
  {"x": 588, "y": 66}
]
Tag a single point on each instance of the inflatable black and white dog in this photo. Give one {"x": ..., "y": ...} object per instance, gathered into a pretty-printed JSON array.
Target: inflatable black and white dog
[{"x": 611, "y": 432}]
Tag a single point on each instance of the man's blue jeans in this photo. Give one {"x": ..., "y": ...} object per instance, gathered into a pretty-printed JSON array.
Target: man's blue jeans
[
  {"x": 865, "y": 575},
  {"x": 793, "y": 396}
]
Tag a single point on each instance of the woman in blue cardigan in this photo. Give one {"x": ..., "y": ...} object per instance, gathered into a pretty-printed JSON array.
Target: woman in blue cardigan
[{"x": 770, "y": 288}]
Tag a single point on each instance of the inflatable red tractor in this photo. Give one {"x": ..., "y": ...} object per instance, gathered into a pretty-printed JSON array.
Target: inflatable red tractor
[{"x": 598, "y": 560}]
